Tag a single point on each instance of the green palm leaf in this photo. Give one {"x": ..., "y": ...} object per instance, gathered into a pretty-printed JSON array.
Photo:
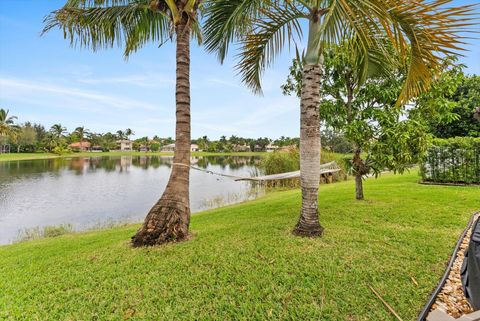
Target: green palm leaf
[
  {"x": 266, "y": 40},
  {"x": 131, "y": 24}
]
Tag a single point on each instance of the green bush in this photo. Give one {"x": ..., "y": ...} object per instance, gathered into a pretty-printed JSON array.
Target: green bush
[
  {"x": 47, "y": 231},
  {"x": 278, "y": 162},
  {"x": 59, "y": 150},
  {"x": 453, "y": 160},
  {"x": 284, "y": 162}
]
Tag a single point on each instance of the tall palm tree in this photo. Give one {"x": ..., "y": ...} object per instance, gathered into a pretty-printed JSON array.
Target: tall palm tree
[
  {"x": 422, "y": 33},
  {"x": 58, "y": 130},
  {"x": 7, "y": 123},
  {"x": 120, "y": 134},
  {"x": 81, "y": 132},
  {"x": 128, "y": 132},
  {"x": 106, "y": 23}
]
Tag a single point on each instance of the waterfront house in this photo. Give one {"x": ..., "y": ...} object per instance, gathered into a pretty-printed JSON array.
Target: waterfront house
[
  {"x": 81, "y": 146},
  {"x": 271, "y": 148},
  {"x": 241, "y": 148},
  {"x": 168, "y": 148},
  {"x": 125, "y": 145},
  {"x": 171, "y": 148},
  {"x": 286, "y": 149}
]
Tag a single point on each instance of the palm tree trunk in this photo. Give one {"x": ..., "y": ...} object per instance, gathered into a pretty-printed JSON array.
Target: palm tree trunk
[
  {"x": 308, "y": 224},
  {"x": 169, "y": 218}
]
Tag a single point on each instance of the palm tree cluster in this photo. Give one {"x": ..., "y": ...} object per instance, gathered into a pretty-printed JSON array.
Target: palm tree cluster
[
  {"x": 420, "y": 32},
  {"x": 7, "y": 122}
]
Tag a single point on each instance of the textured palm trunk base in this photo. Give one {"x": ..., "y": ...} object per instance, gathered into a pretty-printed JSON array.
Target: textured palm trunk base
[
  {"x": 169, "y": 218},
  {"x": 309, "y": 224}
]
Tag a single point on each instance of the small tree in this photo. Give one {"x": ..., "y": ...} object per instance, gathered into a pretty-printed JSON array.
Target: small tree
[
  {"x": 367, "y": 114},
  {"x": 26, "y": 137}
]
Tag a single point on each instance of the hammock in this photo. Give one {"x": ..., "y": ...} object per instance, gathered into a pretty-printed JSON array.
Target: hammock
[{"x": 328, "y": 168}]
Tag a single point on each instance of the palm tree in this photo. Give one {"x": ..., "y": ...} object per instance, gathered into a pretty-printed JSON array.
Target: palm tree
[
  {"x": 128, "y": 132},
  {"x": 120, "y": 134},
  {"x": 58, "y": 131},
  {"x": 7, "y": 123},
  {"x": 422, "y": 33},
  {"x": 81, "y": 132},
  {"x": 106, "y": 23}
]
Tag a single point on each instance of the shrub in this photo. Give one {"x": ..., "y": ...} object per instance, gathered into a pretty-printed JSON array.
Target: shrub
[
  {"x": 278, "y": 162},
  {"x": 454, "y": 160},
  {"x": 283, "y": 162},
  {"x": 59, "y": 150},
  {"x": 47, "y": 231}
]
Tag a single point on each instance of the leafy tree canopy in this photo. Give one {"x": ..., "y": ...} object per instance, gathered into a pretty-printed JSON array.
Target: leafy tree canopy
[{"x": 458, "y": 96}]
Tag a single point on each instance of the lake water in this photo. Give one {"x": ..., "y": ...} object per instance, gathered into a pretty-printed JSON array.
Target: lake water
[{"x": 91, "y": 192}]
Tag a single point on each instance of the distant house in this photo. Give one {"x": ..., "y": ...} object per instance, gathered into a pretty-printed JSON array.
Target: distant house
[
  {"x": 271, "y": 148},
  {"x": 241, "y": 148},
  {"x": 125, "y": 145},
  {"x": 171, "y": 148},
  {"x": 194, "y": 148},
  {"x": 143, "y": 148},
  {"x": 81, "y": 146},
  {"x": 286, "y": 149},
  {"x": 168, "y": 148},
  {"x": 258, "y": 148}
]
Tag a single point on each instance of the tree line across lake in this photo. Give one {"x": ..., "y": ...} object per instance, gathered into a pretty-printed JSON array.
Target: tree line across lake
[{"x": 31, "y": 137}]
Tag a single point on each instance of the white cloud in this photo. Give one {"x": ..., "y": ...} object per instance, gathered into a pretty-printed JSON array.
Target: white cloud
[
  {"x": 37, "y": 91},
  {"x": 250, "y": 120}
]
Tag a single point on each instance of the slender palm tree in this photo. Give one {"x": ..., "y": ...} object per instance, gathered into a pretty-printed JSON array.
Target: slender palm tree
[
  {"x": 106, "y": 23},
  {"x": 120, "y": 134},
  {"x": 422, "y": 33},
  {"x": 128, "y": 132},
  {"x": 58, "y": 131},
  {"x": 7, "y": 123},
  {"x": 81, "y": 132}
]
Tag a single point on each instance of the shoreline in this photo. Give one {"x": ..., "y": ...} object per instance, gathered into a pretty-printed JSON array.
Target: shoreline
[{"x": 38, "y": 156}]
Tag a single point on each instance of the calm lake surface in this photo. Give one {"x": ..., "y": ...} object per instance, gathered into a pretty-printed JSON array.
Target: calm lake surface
[{"x": 92, "y": 192}]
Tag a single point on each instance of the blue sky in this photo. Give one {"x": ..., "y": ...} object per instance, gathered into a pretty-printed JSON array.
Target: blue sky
[{"x": 43, "y": 79}]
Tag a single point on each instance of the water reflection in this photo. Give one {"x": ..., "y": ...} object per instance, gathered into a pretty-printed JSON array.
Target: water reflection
[{"x": 94, "y": 191}]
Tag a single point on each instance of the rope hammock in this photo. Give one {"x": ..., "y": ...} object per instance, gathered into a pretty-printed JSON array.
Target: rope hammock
[{"x": 328, "y": 168}]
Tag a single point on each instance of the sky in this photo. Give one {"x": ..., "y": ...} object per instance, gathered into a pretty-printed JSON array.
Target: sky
[{"x": 44, "y": 80}]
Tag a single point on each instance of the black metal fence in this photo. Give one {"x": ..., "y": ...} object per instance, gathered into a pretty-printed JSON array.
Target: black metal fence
[{"x": 454, "y": 160}]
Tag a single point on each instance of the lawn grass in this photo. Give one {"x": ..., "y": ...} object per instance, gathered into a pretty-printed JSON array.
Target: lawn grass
[
  {"x": 244, "y": 264},
  {"x": 31, "y": 156}
]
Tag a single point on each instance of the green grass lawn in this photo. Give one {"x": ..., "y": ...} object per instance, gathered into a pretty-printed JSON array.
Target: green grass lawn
[
  {"x": 30, "y": 156},
  {"x": 243, "y": 263}
]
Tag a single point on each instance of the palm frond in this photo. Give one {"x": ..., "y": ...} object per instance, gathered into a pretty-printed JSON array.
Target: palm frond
[
  {"x": 228, "y": 21},
  {"x": 270, "y": 32},
  {"x": 424, "y": 34},
  {"x": 83, "y": 4},
  {"x": 131, "y": 25}
]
